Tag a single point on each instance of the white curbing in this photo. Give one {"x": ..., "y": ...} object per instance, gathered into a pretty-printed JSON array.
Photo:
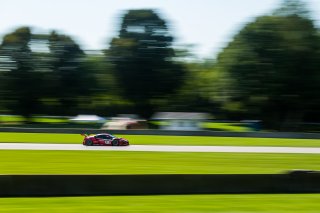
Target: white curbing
[{"x": 161, "y": 148}]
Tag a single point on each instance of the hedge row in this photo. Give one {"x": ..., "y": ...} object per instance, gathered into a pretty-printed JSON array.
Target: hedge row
[{"x": 94, "y": 185}]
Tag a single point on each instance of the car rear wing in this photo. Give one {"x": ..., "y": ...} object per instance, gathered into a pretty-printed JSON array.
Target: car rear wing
[{"x": 85, "y": 135}]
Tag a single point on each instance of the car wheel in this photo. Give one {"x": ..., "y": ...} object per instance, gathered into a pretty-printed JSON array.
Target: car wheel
[
  {"x": 89, "y": 143},
  {"x": 115, "y": 143}
]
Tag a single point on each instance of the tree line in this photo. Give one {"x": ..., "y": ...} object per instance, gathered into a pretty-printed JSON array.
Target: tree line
[{"x": 269, "y": 71}]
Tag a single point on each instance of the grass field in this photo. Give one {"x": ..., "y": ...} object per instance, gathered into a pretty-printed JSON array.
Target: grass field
[
  {"x": 21, "y": 119},
  {"x": 97, "y": 162},
  {"x": 233, "y": 127},
  {"x": 280, "y": 203},
  {"x": 162, "y": 140}
]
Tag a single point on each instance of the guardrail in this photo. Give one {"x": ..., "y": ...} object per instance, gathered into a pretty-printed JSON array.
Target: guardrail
[
  {"x": 94, "y": 185},
  {"x": 166, "y": 132}
]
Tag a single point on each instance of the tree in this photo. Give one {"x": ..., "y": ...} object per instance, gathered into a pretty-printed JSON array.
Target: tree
[
  {"x": 70, "y": 78},
  {"x": 271, "y": 69},
  {"x": 142, "y": 56},
  {"x": 292, "y": 8},
  {"x": 197, "y": 92},
  {"x": 23, "y": 88},
  {"x": 43, "y": 73}
]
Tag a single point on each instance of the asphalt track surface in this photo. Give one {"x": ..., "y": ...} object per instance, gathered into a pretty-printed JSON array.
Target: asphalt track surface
[{"x": 159, "y": 148}]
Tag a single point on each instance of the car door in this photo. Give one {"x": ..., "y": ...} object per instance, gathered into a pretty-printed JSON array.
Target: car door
[
  {"x": 100, "y": 139},
  {"x": 108, "y": 139},
  {"x": 105, "y": 139}
]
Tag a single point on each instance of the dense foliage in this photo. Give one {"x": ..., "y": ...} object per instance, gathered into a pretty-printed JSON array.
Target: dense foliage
[
  {"x": 142, "y": 57},
  {"x": 269, "y": 71}
]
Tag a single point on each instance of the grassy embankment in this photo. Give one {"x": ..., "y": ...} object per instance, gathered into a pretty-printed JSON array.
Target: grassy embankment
[
  {"x": 280, "y": 203},
  {"x": 82, "y": 162},
  {"x": 97, "y": 162}
]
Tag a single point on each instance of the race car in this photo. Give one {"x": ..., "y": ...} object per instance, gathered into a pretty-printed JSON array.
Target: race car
[{"x": 103, "y": 139}]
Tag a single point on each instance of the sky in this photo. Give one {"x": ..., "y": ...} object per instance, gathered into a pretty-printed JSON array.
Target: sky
[{"x": 205, "y": 25}]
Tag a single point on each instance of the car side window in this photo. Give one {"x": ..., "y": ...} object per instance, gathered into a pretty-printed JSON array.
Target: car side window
[{"x": 101, "y": 136}]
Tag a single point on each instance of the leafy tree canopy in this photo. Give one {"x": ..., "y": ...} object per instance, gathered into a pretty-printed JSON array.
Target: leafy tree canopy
[
  {"x": 142, "y": 56},
  {"x": 271, "y": 68}
]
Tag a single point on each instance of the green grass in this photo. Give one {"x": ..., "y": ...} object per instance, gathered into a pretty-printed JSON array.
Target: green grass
[
  {"x": 162, "y": 140},
  {"x": 111, "y": 162},
  {"x": 280, "y": 203},
  {"x": 40, "y": 137},
  {"x": 11, "y": 118},
  {"x": 221, "y": 141},
  {"x": 20, "y": 119},
  {"x": 233, "y": 127},
  {"x": 49, "y": 120}
]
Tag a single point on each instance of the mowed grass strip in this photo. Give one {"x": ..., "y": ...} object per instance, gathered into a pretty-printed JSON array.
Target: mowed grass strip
[
  {"x": 275, "y": 203},
  {"x": 161, "y": 140},
  {"x": 97, "y": 162}
]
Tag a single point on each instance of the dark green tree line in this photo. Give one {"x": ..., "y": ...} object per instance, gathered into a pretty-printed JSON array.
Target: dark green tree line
[
  {"x": 22, "y": 86},
  {"x": 269, "y": 71},
  {"x": 71, "y": 80},
  {"x": 272, "y": 68},
  {"x": 50, "y": 81}
]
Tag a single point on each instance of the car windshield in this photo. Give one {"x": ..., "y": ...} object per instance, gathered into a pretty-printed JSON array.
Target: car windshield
[
  {"x": 112, "y": 136},
  {"x": 105, "y": 136}
]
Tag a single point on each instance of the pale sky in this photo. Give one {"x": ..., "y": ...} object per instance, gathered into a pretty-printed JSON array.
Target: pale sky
[{"x": 207, "y": 24}]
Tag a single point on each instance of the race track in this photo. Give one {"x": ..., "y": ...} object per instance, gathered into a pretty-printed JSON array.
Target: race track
[{"x": 159, "y": 148}]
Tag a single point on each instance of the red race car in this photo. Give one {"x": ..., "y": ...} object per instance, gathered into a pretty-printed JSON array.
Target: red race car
[{"x": 104, "y": 139}]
